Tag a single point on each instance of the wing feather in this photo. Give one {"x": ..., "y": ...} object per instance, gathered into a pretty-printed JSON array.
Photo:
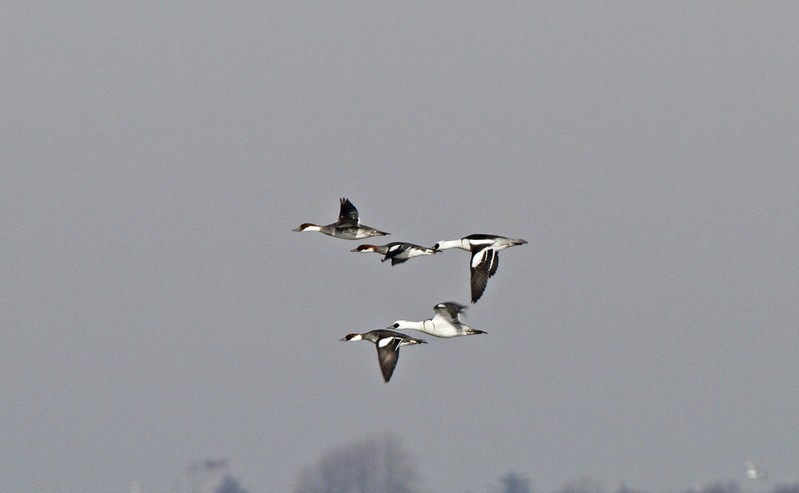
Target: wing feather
[
  {"x": 348, "y": 213},
  {"x": 387, "y": 356},
  {"x": 450, "y": 310},
  {"x": 483, "y": 266}
]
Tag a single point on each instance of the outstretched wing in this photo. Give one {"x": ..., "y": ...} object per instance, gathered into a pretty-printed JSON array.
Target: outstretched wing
[
  {"x": 348, "y": 213},
  {"x": 494, "y": 263},
  {"x": 484, "y": 265},
  {"x": 450, "y": 311},
  {"x": 387, "y": 355}
]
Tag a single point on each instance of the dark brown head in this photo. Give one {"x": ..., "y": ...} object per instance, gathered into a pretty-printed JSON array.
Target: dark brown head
[{"x": 307, "y": 227}]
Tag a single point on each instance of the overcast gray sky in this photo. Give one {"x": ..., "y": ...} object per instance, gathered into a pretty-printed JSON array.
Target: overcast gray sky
[{"x": 157, "y": 308}]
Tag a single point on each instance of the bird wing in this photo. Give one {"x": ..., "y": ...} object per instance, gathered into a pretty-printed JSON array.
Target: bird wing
[
  {"x": 494, "y": 263},
  {"x": 483, "y": 239},
  {"x": 348, "y": 213},
  {"x": 450, "y": 311},
  {"x": 387, "y": 355},
  {"x": 394, "y": 249},
  {"x": 484, "y": 265}
]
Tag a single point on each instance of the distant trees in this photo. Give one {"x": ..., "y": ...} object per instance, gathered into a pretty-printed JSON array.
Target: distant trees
[
  {"x": 514, "y": 483},
  {"x": 381, "y": 465},
  {"x": 787, "y": 488},
  {"x": 210, "y": 476},
  {"x": 722, "y": 487},
  {"x": 377, "y": 465},
  {"x": 229, "y": 485}
]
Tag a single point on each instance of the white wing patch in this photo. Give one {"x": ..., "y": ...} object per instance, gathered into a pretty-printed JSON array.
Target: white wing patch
[
  {"x": 486, "y": 255},
  {"x": 385, "y": 341}
]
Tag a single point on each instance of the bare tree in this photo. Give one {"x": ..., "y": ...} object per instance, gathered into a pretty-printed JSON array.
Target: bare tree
[
  {"x": 210, "y": 476},
  {"x": 372, "y": 466},
  {"x": 229, "y": 484},
  {"x": 514, "y": 483}
]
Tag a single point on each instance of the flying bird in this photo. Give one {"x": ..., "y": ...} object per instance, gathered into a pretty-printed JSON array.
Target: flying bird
[
  {"x": 388, "y": 343},
  {"x": 485, "y": 258},
  {"x": 396, "y": 251},
  {"x": 347, "y": 227},
  {"x": 445, "y": 323}
]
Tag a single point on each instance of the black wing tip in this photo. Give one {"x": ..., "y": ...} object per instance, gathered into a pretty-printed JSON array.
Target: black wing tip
[
  {"x": 477, "y": 292},
  {"x": 387, "y": 372},
  {"x": 478, "y": 286}
]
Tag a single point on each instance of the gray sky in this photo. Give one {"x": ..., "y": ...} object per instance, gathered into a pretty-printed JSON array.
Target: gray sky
[{"x": 157, "y": 308}]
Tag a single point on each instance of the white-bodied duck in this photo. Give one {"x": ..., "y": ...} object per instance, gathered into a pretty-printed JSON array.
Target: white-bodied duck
[
  {"x": 445, "y": 323},
  {"x": 485, "y": 258}
]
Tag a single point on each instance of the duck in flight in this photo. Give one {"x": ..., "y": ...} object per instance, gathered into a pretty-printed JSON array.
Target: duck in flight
[
  {"x": 485, "y": 259},
  {"x": 347, "y": 227},
  {"x": 396, "y": 251},
  {"x": 445, "y": 323},
  {"x": 388, "y": 342}
]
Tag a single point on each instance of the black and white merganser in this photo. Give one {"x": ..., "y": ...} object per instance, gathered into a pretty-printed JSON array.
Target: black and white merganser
[
  {"x": 445, "y": 323},
  {"x": 485, "y": 259},
  {"x": 388, "y": 343},
  {"x": 347, "y": 227},
  {"x": 396, "y": 251}
]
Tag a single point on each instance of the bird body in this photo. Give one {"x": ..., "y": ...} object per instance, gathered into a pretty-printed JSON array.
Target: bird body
[
  {"x": 397, "y": 251},
  {"x": 485, "y": 259},
  {"x": 445, "y": 323},
  {"x": 348, "y": 226},
  {"x": 387, "y": 343}
]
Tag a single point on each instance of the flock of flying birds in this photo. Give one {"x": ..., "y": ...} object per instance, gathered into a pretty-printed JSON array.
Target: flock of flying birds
[{"x": 447, "y": 321}]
